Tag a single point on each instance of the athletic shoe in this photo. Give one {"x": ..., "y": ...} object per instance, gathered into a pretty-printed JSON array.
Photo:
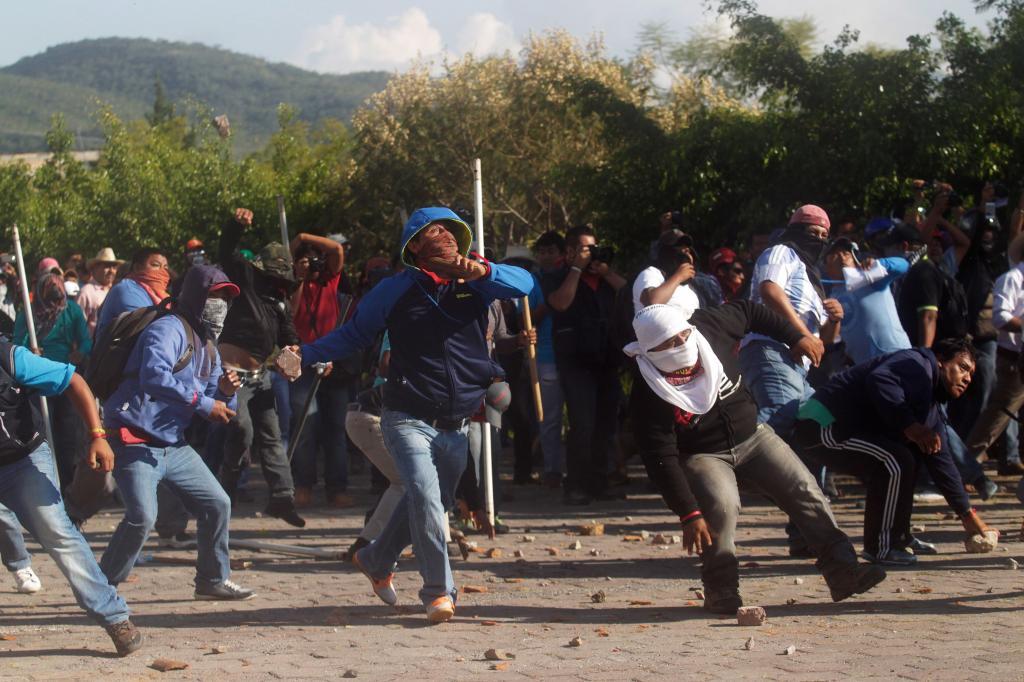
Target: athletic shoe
[
  {"x": 27, "y": 581},
  {"x": 858, "y": 579},
  {"x": 126, "y": 637},
  {"x": 225, "y": 591},
  {"x": 723, "y": 600},
  {"x": 181, "y": 540},
  {"x": 986, "y": 488},
  {"x": 383, "y": 588},
  {"x": 928, "y": 494},
  {"x": 350, "y": 553},
  {"x": 440, "y": 610},
  {"x": 920, "y": 547},
  {"x": 500, "y": 527},
  {"x": 895, "y": 557},
  {"x": 284, "y": 508}
]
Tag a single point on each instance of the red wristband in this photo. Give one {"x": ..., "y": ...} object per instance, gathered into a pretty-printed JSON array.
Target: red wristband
[{"x": 695, "y": 513}]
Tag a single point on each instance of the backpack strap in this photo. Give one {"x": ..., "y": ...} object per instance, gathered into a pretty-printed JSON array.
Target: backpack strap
[{"x": 186, "y": 357}]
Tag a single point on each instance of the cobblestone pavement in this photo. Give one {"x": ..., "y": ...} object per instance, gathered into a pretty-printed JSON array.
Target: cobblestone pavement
[{"x": 955, "y": 616}]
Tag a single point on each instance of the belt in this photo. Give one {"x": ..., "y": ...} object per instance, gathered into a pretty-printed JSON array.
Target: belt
[
  {"x": 447, "y": 424},
  {"x": 248, "y": 377}
]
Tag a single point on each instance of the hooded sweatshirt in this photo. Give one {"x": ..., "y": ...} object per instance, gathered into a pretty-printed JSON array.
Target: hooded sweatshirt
[
  {"x": 154, "y": 404},
  {"x": 440, "y": 362}
]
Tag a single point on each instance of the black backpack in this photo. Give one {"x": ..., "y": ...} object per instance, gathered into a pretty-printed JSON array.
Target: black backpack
[
  {"x": 953, "y": 310},
  {"x": 115, "y": 343}
]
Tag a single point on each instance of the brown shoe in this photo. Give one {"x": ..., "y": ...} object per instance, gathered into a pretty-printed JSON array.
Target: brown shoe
[
  {"x": 341, "y": 501},
  {"x": 126, "y": 637},
  {"x": 303, "y": 497}
]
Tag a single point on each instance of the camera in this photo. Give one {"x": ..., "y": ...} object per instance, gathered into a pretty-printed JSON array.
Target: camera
[
  {"x": 602, "y": 254},
  {"x": 317, "y": 263},
  {"x": 677, "y": 218}
]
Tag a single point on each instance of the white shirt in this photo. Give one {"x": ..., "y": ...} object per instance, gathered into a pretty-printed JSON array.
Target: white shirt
[
  {"x": 781, "y": 265},
  {"x": 1007, "y": 302},
  {"x": 651, "y": 278}
]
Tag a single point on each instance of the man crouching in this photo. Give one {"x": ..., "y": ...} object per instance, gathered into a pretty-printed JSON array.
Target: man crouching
[{"x": 691, "y": 365}]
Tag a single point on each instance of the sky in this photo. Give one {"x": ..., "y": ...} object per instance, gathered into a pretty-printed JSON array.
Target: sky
[{"x": 346, "y": 36}]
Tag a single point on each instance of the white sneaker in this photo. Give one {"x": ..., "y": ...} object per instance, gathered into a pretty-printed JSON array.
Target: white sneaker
[{"x": 27, "y": 581}]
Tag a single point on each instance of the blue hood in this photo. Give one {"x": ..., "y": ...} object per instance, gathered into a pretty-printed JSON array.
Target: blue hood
[
  {"x": 425, "y": 216},
  {"x": 194, "y": 290}
]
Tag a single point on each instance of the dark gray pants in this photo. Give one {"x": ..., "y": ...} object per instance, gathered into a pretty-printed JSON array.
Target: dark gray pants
[
  {"x": 255, "y": 432},
  {"x": 765, "y": 464}
]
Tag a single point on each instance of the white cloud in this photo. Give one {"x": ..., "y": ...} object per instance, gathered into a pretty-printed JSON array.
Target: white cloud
[
  {"x": 485, "y": 34},
  {"x": 341, "y": 47}
]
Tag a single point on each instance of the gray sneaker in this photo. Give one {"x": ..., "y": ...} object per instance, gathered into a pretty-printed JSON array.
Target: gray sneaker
[
  {"x": 920, "y": 547},
  {"x": 225, "y": 591}
]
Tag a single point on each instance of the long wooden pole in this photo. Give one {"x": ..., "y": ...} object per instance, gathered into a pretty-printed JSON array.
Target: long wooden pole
[
  {"x": 485, "y": 428},
  {"x": 33, "y": 342},
  {"x": 531, "y": 354}
]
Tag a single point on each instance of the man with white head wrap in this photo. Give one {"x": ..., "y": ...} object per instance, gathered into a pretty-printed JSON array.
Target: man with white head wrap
[{"x": 691, "y": 365}]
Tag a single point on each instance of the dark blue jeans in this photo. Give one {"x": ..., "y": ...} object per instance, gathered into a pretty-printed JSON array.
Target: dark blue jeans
[
  {"x": 592, "y": 397},
  {"x": 324, "y": 432}
]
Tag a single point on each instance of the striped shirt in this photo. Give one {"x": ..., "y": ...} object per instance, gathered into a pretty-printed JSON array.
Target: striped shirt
[{"x": 781, "y": 265}]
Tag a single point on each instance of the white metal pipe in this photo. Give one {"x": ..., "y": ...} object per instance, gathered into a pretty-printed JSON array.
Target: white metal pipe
[{"x": 487, "y": 471}]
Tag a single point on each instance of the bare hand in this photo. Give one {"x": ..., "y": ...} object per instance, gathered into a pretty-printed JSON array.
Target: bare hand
[
  {"x": 229, "y": 382},
  {"x": 973, "y": 524},
  {"x": 37, "y": 351},
  {"x": 527, "y": 337},
  {"x": 867, "y": 263},
  {"x": 924, "y": 438},
  {"x": 696, "y": 535},
  {"x": 221, "y": 413},
  {"x": 599, "y": 268},
  {"x": 101, "y": 457},
  {"x": 685, "y": 272},
  {"x": 466, "y": 269},
  {"x": 243, "y": 217},
  {"x": 582, "y": 257},
  {"x": 809, "y": 347},
  {"x": 834, "y": 309},
  {"x": 328, "y": 368}
]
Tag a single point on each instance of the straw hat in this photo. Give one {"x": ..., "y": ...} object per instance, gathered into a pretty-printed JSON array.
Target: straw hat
[{"x": 105, "y": 255}]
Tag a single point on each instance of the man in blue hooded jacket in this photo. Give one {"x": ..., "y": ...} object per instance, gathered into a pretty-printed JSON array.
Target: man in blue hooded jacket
[
  {"x": 436, "y": 316},
  {"x": 146, "y": 418}
]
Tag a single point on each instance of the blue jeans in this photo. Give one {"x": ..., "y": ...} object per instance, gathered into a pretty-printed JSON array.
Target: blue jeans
[
  {"x": 13, "y": 552},
  {"x": 324, "y": 430},
  {"x": 969, "y": 467},
  {"x": 964, "y": 411},
  {"x": 431, "y": 463},
  {"x": 282, "y": 389},
  {"x": 28, "y": 488},
  {"x": 551, "y": 428},
  {"x": 778, "y": 384},
  {"x": 138, "y": 470}
]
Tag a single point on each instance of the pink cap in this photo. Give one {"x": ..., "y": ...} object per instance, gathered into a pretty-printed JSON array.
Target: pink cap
[
  {"x": 48, "y": 265},
  {"x": 810, "y": 214}
]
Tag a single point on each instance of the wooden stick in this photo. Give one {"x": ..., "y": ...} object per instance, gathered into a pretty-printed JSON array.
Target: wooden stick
[{"x": 531, "y": 353}]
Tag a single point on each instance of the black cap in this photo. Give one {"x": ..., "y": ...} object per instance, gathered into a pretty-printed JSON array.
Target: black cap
[{"x": 903, "y": 233}]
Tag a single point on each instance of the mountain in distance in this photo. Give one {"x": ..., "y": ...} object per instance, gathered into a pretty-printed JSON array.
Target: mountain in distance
[{"x": 76, "y": 78}]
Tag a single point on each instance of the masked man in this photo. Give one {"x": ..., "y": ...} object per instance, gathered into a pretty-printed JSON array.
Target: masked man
[{"x": 690, "y": 365}]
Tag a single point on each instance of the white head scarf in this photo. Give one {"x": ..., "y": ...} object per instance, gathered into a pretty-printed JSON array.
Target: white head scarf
[{"x": 687, "y": 376}]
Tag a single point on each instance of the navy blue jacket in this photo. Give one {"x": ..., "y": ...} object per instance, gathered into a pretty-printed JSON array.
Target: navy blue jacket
[
  {"x": 887, "y": 394},
  {"x": 440, "y": 361}
]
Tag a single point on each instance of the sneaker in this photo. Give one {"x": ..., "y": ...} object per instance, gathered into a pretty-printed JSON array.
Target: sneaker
[
  {"x": 126, "y": 637},
  {"x": 225, "y": 591},
  {"x": 986, "y": 488},
  {"x": 383, "y": 588},
  {"x": 284, "y": 508},
  {"x": 27, "y": 581},
  {"x": 895, "y": 557},
  {"x": 724, "y": 600},
  {"x": 859, "y": 578},
  {"x": 181, "y": 540},
  {"x": 441, "y": 610},
  {"x": 500, "y": 527},
  {"x": 920, "y": 547},
  {"x": 928, "y": 495}
]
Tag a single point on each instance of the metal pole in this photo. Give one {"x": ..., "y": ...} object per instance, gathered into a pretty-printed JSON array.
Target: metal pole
[
  {"x": 485, "y": 436},
  {"x": 293, "y": 438},
  {"x": 33, "y": 342},
  {"x": 282, "y": 220}
]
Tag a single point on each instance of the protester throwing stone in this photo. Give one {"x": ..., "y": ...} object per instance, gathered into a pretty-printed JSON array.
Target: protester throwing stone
[
  {"x": 691, "y": 365},
  {"x": 436, "y": 316}
]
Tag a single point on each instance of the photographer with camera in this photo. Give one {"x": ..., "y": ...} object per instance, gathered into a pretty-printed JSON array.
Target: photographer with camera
[
  {"x": 318, "y": 307},
  {"x": 582, "y": 295},
  {"x": 8, "y": 293}
]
